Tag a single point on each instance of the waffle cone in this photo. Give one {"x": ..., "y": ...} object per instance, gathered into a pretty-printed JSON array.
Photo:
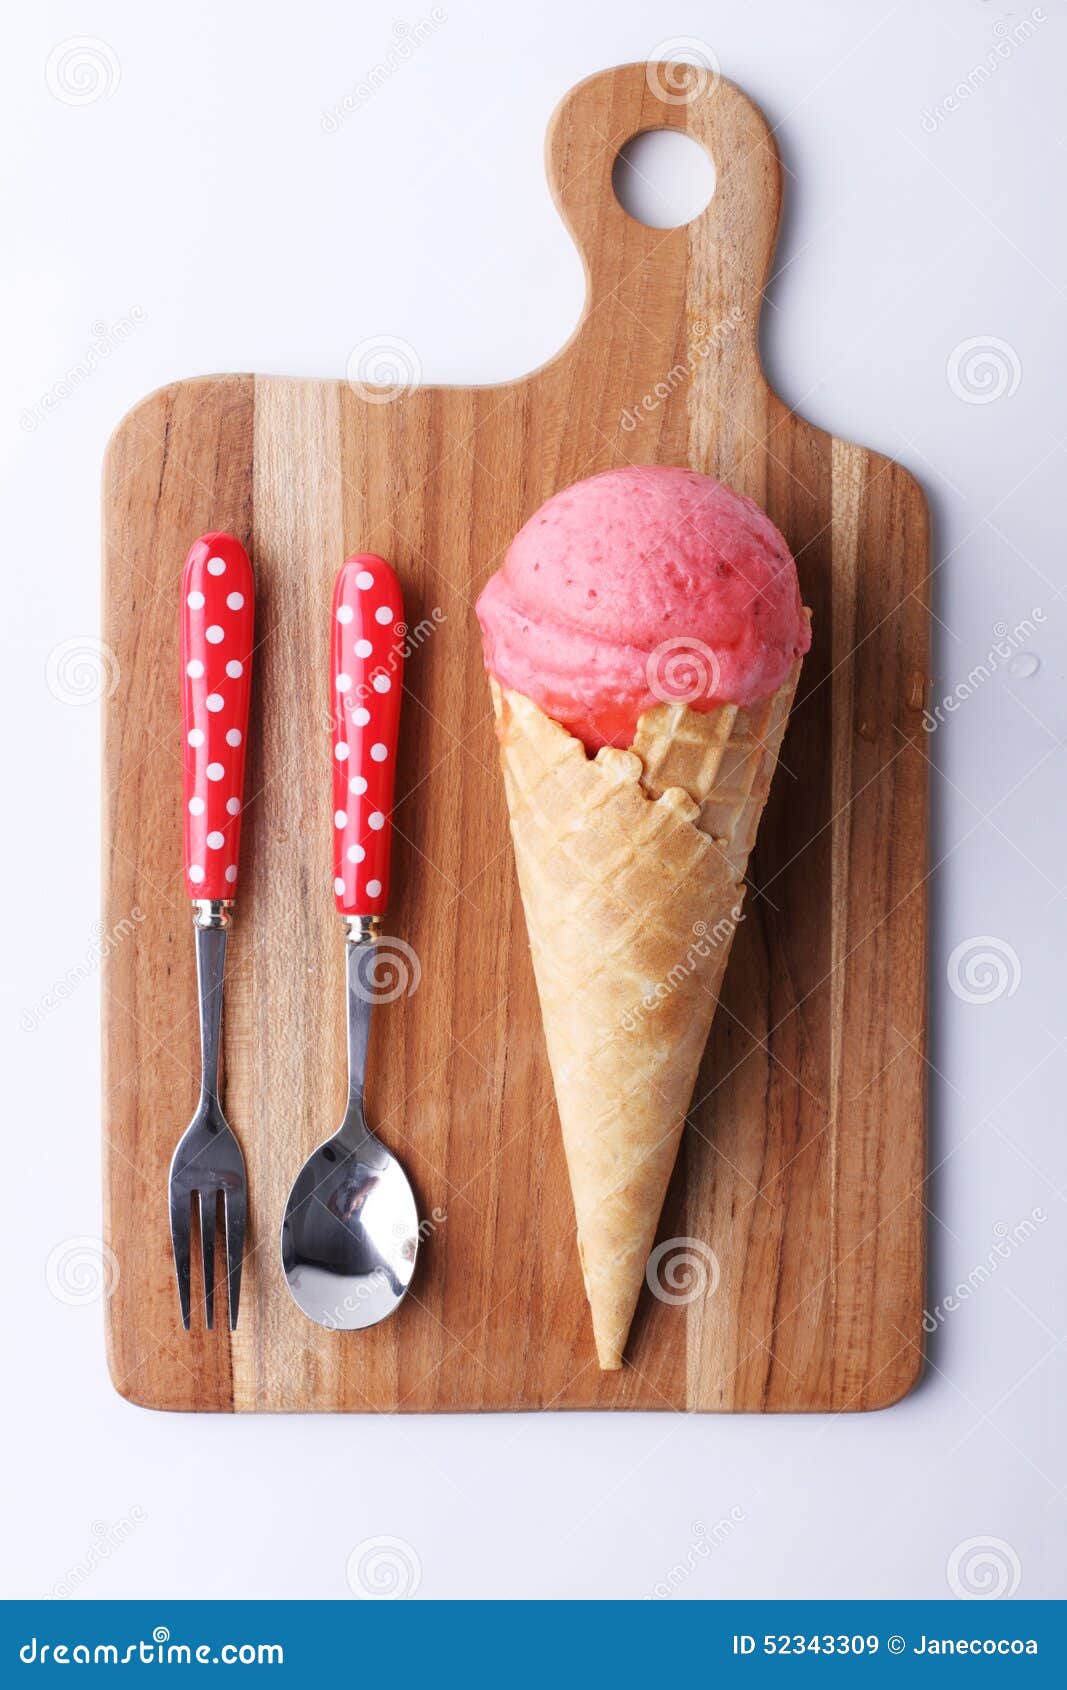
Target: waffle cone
[{"x": 631, "y": 868}]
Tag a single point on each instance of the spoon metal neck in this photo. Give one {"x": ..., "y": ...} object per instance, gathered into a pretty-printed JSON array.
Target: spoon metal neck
[{"x": 360, "y": 974}]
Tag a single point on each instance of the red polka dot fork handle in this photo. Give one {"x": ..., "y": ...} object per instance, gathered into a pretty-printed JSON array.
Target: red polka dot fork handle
[
  {"x": 366, "y": 679},
  {"x": 217, "y": 611}
]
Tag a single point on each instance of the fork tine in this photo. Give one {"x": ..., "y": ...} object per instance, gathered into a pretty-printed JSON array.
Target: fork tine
[
  {"x": 180, "y": 1239},
  {"x": 234, "y": 1216},
  {"x": 208, "y": 1201}
]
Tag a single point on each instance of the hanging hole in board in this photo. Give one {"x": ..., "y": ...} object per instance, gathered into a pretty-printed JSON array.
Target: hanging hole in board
[{"x": 663, "y": 178}]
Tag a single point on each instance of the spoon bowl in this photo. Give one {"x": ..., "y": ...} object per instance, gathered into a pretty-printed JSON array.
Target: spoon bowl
[{"x": 350, "y": 1233}]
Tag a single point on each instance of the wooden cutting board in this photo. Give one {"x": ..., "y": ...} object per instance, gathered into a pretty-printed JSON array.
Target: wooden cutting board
[{"x": 803, "y": 1164}]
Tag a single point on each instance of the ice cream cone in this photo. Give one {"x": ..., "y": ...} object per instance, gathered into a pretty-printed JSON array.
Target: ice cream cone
[{"x": 631, "y": 866}]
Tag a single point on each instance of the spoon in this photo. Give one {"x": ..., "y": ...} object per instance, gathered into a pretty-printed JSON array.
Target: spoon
[{"x": 351, "y": 1233}]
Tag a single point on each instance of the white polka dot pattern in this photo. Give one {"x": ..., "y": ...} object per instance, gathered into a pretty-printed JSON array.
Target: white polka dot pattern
[
  {"x": 217, "y": 602},
  {"x": 366, "y": 681}
]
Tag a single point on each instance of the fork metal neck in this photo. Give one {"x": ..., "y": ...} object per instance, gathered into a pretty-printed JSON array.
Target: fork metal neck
[
  {"x": 362, "y": 929},
  {"x": 212, "y": 912},
  {"x": 210, "y": 972}
]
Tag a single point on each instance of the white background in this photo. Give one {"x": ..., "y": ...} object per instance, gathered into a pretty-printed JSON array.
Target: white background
[{"x": 201, "y": 197}]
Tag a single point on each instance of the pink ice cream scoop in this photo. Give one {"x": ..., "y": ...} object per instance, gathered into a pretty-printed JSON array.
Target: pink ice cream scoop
[{"x": 639, "y": 587}]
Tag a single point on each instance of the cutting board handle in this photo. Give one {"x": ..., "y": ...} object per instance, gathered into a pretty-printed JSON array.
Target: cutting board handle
[{"x": 644, "y": 267}]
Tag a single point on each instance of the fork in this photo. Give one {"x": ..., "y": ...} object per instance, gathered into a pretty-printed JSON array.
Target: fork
[{"x": 216, "y": 662}]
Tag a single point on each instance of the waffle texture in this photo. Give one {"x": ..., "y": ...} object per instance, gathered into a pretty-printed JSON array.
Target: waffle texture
[{"x": 631, "y": 866}]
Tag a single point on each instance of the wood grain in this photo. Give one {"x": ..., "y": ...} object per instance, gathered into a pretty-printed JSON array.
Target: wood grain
[{"x": 803, "y": 1163}]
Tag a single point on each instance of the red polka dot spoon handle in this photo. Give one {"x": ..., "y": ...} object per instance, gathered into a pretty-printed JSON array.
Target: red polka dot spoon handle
[
  {"x": 366, "y": 679},
  {"x": 217, "y": 618},
  {"x": 207, "y": 1169}
]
